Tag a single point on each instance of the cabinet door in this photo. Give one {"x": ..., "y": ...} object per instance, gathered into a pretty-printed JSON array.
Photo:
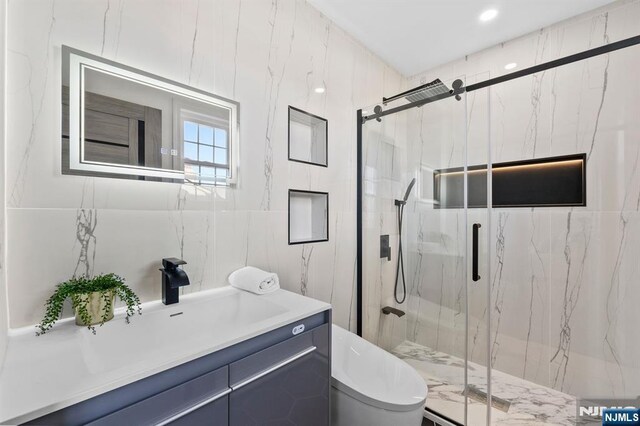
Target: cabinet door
[{"x": 293, "y": 391}]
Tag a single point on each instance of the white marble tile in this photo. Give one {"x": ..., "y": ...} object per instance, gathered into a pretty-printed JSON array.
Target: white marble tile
[
  {"x": 520, "y": 275},
  {"x": 3, "y": 291},
  {"x": 527, "y": 403},
  {"x": 591, "y": 319},
  {"x": 265, "y": 55},
  {"x": 49, "y": 246},
  {"x": 325, "y": 271}
]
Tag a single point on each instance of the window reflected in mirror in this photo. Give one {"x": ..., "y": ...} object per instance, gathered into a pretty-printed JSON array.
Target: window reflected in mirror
[{"x": 206, "y": 150}]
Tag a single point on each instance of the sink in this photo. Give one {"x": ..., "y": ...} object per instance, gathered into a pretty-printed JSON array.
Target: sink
[
  {"x": 198, "y": 321},
  {"x": 69, "y": 364}
]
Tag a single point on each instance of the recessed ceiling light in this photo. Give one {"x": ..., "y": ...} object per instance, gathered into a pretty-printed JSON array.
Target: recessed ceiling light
[
  {"x": 488, "y": 15},
  {"x": 319, "y": 89},
  {"x": 510, "y": 66}
]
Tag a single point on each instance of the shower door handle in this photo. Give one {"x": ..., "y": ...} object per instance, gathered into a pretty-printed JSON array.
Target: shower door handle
[{"x": 474, "y": 260}]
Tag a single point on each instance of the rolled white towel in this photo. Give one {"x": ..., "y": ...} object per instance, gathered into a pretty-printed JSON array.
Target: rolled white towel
[{"x": 254, "y": 280}]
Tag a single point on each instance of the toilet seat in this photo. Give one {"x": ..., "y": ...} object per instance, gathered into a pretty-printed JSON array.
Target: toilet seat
[{"x": 372, "y": 375}]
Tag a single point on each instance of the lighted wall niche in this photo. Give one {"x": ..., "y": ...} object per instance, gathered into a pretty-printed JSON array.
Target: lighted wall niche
[{"x": 540, "y": 182}]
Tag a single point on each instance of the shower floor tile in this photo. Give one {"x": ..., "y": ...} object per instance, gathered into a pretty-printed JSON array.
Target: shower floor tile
[{"x": 520, "y": 402}]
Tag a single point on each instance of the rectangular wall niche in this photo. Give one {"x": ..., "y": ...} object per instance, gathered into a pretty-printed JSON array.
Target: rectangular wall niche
[
  {"x": 307, "y": 138},
  {"x": 540, "y": 182},
  {"x": 308, "y": 216}
]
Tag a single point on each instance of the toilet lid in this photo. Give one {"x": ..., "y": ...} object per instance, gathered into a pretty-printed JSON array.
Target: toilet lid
[{"x": 372, "y": 375}]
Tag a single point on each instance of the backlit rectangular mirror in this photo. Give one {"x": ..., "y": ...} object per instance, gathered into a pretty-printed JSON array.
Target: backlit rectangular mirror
[{"x": 121, "y": 122}]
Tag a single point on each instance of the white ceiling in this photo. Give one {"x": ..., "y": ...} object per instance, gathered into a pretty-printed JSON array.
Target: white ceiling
[{"x": 416, "y": 35}]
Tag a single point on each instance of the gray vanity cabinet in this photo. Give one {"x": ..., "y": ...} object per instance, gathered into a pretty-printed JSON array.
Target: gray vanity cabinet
[
  {"x": 293, "y": 394},
  {"x": 284, "y": 384},
  {"x": 278, "y": 378}
]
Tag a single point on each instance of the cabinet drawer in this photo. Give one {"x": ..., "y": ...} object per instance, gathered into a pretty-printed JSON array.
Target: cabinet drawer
[
  {"x": 267, "y": 360},
  {"x": 174, "y": 404},
  {"x": 215, "y": 413}
]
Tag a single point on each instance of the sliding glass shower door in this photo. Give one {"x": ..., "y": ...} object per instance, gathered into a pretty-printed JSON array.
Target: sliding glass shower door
[
  {"x": 519, "y": 239},
  {"x": 432, "y": 324}
]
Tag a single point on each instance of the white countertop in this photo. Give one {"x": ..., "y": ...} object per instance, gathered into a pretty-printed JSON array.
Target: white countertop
[{"x": 68, "y": 364}]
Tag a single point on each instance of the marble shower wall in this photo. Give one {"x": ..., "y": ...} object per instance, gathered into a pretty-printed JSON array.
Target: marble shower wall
[
  {"x": 385, "y": 179},
  {"x": 3, "y": 282},
  {"x": 266, "y": 55},
  {"x": 562, "y": 281}
]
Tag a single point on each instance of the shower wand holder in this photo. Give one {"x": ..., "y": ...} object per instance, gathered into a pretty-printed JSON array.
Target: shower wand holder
[{"x": 399, "y": 203}]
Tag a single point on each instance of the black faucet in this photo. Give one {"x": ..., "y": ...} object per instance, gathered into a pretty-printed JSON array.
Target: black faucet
[{"x": 172, "y": 279}]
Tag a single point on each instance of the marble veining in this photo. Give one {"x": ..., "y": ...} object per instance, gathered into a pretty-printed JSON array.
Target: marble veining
[
  {"x": 120, "y": 14},
  {"x": 529, "y": 403},
  {"x": 104, "y": 26},
  {"x": 273, "y": 81},
  {"x": 554, "y": 91},
  {"x": 538, "y": 276},
  {"x": 235, "y": 49},
  {"x": 497, "y": 285},
  {"x": 417, "y": 278},
  {"x": 334, "y": 260},
  {"x": 178, "y": 223},
  {"x": 304, "y": 269},
  {"x": 37, "y": 106},
  {"x": 531, "y": 137},
  {"x": 605, "y": 80},
  {"x": 571, "y": 297},
  {"x": 86, "y": 222},
  {"x": 193, "y": 41},
  {"x": 266, "y": 57},
  {"x": 612, "y": 305}
]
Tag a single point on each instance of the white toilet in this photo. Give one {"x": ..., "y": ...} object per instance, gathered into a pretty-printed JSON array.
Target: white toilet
[{"x": 372, "y": 387}]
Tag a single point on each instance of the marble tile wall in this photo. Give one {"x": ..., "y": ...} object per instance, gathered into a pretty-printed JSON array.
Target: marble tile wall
[
  {"x": 385, "y": 179},
  {"x": 266, "y": 55},
  {"x": 3, "y": 290},
  {"x": 562, "y": 281}
]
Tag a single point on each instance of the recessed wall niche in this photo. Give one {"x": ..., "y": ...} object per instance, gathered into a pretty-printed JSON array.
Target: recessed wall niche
[
  {"x": 307, "y": 138},
  {"x": 308, "y": 216},
  {"x": 539, "y": 182}
]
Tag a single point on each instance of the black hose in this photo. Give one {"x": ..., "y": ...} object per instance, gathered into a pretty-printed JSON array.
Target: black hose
[{"x": 400, "y": 265}]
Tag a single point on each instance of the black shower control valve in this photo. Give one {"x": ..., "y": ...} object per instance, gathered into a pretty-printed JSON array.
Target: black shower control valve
[{"x": 385, "y": 248}]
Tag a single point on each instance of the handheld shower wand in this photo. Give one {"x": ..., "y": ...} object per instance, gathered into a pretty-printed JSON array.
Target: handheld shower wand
[
  {"x": 400, "y": 266},
  {"x": 406, "y": 194}
]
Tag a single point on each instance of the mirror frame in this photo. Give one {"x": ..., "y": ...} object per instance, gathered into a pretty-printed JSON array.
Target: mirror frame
[{"x": 78, "y": 61}]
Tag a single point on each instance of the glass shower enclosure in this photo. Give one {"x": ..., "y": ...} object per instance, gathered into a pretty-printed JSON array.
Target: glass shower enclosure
[
  {"x": 421, "y": 143},
  {"x": 513, "y": 298}
]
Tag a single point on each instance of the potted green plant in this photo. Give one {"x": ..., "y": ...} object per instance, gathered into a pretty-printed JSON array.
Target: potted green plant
[{"x": 92, "y": 300}]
